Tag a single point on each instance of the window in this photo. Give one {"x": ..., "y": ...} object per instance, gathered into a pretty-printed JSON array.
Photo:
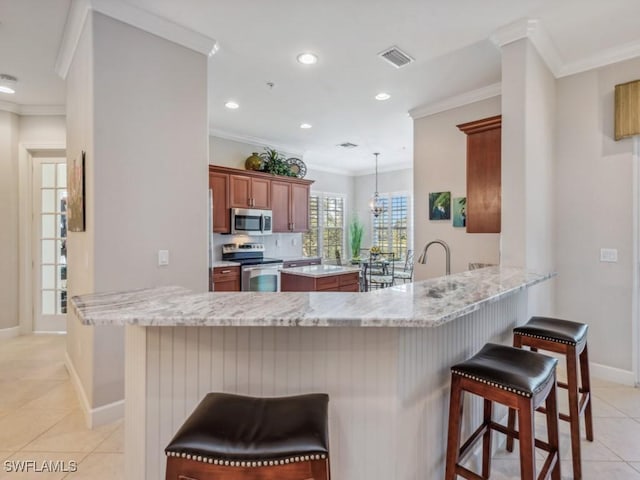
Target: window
[
  {"x": 326, "y": 226},
  {"x": 391, "y": 228}
]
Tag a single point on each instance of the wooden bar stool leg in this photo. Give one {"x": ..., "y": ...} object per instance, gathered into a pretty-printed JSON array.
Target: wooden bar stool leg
[
  {"x": 511, "y": 422},
  {"x": 574, "y": 423},
  {"x": 552, "y": 429},
  {"x": 455, "y": 428},
  {"x": 586, "y": 388},
  {"x": 527, "y": 443},
  {"x": 486, "y": 441}
]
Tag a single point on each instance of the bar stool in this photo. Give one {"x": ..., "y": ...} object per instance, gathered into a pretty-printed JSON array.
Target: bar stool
[
  {"x": 519, "y": 379},
  {"x": 569, "y": 339},
  {"x": 247, "y": 438}
]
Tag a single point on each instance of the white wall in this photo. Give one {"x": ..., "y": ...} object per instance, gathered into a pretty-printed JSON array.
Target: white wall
[
  {"x": 440, "y": 165},
  {"x": 594, "y": 185},
  {"x": 9, "y": 214},
  {"x": 145, "y": 133},
  {"x": 528, "y": 134},
  {"x": 43, "y": 129}
]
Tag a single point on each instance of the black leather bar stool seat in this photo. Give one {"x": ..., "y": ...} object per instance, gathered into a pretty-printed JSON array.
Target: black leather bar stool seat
[
  {"x": 235, "y": 436},
  {"x": 519, "y": 379},
  {"x": 569, "y": 339}
]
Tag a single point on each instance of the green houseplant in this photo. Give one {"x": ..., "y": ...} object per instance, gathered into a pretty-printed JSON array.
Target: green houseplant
[
  {"x": 356, "y": 230},
  {"x": 275, "y": 163}
]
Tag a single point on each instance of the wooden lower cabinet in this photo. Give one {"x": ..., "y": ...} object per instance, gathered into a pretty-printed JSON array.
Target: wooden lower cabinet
[
  {"x": 225, "y": 279},
  {"x": 347, "y": 282}
]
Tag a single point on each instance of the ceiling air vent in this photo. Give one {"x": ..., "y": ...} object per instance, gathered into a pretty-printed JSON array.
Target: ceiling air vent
[
  {"x": 396, "y": 57},
  {"x": 348, "y": 145}
]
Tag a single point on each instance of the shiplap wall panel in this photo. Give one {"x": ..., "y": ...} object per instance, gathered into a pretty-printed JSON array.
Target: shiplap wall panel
[{"x": 389, "y": 387}]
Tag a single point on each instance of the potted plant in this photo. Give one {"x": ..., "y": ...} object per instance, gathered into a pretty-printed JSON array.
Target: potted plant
[
  {"x": 275, "y": 163},
  {"x": 356, "y": 230}
]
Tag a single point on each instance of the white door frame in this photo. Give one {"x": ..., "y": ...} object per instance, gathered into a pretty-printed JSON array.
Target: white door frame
[{"x": 26, "y": 151}]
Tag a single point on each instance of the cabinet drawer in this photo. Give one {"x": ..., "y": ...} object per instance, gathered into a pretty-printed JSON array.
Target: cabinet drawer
[
  {"x": 326, "y": 283},
  {"x": 349, "y": 278},
  {"x": 225, "y": 273}
]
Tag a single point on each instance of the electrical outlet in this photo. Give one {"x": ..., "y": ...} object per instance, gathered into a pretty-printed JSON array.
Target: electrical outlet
[
  {"x": 294, "y": 241},
  {"x": 609, "y": 255},
  {"x": 277, "y": 242},
  {"x": 163, "y": 257}
]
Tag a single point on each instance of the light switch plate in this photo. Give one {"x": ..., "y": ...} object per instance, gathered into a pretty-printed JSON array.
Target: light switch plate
[
  {"x": 163, "y": 257},
  {"x": 609, "y": 255}
]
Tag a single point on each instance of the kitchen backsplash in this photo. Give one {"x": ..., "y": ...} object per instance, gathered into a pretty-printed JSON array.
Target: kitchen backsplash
[{"x": 277, "y": 245}]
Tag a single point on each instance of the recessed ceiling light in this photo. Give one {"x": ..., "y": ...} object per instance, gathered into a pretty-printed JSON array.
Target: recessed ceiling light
[
  {"x": 307, "y": 58},
  {"x": 305, "y": 125},
  {"x": 231, "y": 105},
  {"x": 8, "y": 84},
  {"x": 383, "y": 96}
]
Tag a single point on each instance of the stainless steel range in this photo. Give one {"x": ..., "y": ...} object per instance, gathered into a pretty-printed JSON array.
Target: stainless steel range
[{"x": 258, "y": 273}]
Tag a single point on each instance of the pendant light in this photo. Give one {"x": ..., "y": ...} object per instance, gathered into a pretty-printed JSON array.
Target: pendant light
[{"x": 376, "y": 205}]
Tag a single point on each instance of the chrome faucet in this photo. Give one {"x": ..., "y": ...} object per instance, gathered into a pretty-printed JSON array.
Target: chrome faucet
[{"x": 423, "y": 257}]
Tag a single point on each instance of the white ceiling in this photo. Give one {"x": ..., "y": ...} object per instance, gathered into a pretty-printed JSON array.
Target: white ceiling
[{"x": 259, "y": 41}]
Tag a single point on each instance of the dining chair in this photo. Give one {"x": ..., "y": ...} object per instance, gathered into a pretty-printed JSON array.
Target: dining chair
[
  {"x": 381, "y": 271},
  {"x": 405, "y": 273}
]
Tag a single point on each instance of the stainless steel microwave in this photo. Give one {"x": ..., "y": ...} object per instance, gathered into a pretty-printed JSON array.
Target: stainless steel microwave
[{"x": 251, "y": 221}]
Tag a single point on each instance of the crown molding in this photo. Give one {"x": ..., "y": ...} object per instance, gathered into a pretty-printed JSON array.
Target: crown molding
[
  {"x": 394, "y": 167},
  {"x": 9, "y": 107},
  {"x": 257, "y": 141},
  {"x": 602, "y": 59},
  {"x": 456, "y": 101},
  {"x": 533, "y": 30},
  {"x": 26, "y": 110},
  {"x": 130, "y": 15}
]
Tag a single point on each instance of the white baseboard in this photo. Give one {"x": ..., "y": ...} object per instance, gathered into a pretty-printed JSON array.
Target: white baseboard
[
  {"x": 94, "y": 417},
  {"x": 612, "y": 374},
  {"x": 7, "y": 333}
]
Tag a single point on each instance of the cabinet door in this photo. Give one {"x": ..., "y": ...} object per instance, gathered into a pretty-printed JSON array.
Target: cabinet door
[
  {"x": 280, "y": 199},
  {"x": 483, "y": 182},
  {"x": 261, "y": 192},
  {"x": 299, "y": 207},
  {"x": 219, "y": 184},
  {"x": 239, "y": 191}
]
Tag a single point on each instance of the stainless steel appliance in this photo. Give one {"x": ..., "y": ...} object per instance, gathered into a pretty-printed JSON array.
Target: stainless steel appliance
[
  {"x": 258, "y": 274},
  {"x": 251, "y": 221}
]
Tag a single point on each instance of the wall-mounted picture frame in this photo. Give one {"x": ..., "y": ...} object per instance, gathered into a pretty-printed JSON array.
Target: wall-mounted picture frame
[
  {"x": 76, "y": 204},
  {"x": 460, "y": 212},
  {"x": 440, "y": 206}
]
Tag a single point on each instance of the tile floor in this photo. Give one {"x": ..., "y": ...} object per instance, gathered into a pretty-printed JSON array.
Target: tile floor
[{"x": 40, "y": 420}]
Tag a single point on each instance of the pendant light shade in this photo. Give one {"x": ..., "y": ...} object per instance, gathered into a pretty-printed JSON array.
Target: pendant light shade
[{"x": 376, "y": 205}]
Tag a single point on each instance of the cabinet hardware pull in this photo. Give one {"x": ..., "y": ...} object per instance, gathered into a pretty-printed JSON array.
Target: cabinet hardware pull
[
  {"x": 293, "y": 265},
  {"x": 226, "y": 271}
]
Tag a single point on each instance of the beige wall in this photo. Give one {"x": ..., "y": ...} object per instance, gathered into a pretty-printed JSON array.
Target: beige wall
[
  {"x": 594, "y": 185},
  {"x": 43, "y": 129},
  {"x": 145, "y": 134},
  {"x": 80, "y": 246},
  {"x": 9, "y": 125},
  {"x": 440, "y": 152}
]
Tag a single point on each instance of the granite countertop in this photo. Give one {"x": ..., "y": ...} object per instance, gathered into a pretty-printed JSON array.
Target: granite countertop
[
  {"x": 426, "y": 303},
  {"x": 316, "y": 271},
  {"x": 224, "y": 263}
]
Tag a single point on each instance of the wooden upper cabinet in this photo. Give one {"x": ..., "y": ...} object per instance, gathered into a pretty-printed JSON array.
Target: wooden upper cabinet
[
  {"x": 221, "y": 217},
  {"x": 290, "y": 206},
  {"x": 261, "y": 192},
  {"x": 299, "y": 212},
  {"x": 280, "y": 200},
  {"x": 287, "y": 197},
  {"x": 483, "y": 174}
]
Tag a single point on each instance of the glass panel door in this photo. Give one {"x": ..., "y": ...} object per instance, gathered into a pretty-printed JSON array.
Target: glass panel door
[{"x": 50, "y": 231}]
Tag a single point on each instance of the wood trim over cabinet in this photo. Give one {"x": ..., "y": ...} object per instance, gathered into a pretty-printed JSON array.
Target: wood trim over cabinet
[{"x": 484, "y": 182}]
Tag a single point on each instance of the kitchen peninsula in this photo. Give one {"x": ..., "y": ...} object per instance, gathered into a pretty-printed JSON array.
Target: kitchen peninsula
[{"x": 388, "y": 385}]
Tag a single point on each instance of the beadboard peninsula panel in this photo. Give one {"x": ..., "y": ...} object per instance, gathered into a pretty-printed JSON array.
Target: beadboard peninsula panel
[{"x": 388, "y": 387}]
